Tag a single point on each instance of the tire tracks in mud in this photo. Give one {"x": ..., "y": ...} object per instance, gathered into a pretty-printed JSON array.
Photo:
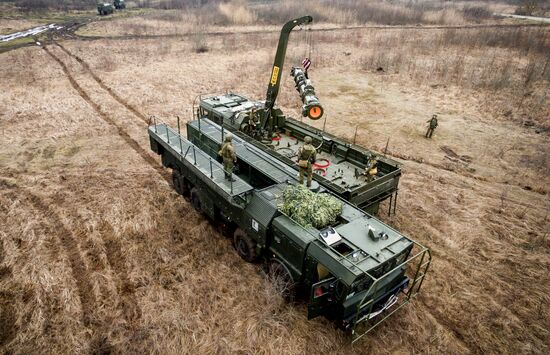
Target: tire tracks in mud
[
  {"x": 129, "y": 305},
  {"x": 111, "y": 92},
  {"x": 105, "y": 117},
  {"x": 125, "y": 287},
  {"x": 465, "y": 174},
  {"x": 69, "y": 243}
]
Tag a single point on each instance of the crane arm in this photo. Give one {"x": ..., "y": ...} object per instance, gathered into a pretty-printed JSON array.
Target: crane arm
[{"x": 275, "y": 79}]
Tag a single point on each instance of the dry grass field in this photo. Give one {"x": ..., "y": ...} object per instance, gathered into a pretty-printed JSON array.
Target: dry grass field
[{"x": 99, "y": 255}]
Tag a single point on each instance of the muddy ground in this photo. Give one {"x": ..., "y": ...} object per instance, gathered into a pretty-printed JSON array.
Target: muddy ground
[{"x": 99, "y": 254}]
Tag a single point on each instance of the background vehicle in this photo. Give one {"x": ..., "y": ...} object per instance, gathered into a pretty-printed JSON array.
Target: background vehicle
[
  {"x": 119, "y": 4},
  {"x": 104, "y": 8}
]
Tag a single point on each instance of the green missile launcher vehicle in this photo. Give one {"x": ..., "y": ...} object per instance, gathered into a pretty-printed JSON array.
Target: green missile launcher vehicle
[
  {"x": 104, "y": 8},
  {"x": 342, "y": 165},
  {"x": 354, "y": 270}
]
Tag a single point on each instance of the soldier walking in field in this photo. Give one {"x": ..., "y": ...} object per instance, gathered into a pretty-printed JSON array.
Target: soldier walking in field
[
  {"x": 307, "y": 154},
  {"x": 432, "y": 126},
  {"x": 229, "y": 156}
]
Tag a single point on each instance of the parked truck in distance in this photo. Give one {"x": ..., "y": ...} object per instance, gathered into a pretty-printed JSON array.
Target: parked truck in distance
[
  {"x": 356, "y": 271},
  {"x": 104, "y": 8},
  {"x": 119, "y": 4}
]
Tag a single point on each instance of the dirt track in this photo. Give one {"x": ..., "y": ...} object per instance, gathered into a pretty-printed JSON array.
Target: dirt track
[
  {"x": 68, "y": 31},
  {"x": 96, "y": 242},
  {"x": 97, "y": 108}
]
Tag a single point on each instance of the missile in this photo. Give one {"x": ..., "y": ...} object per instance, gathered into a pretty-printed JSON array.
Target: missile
[{"x": 311, "y": 106}]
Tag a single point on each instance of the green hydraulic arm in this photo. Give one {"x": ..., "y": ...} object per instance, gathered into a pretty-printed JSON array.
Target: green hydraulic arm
[{"x": 275, "y": 79}]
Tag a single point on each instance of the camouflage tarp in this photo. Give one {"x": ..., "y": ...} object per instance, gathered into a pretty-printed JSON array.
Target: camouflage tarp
[{"x": 310, "y": 209}]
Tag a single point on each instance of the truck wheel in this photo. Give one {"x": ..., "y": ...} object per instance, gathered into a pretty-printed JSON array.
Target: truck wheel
[
  {"x": 179, "y": 183},
  {"x": 196, "y": 199},
  {"x": 246, "y": 247},
  {"x": 282, "y": 280}
]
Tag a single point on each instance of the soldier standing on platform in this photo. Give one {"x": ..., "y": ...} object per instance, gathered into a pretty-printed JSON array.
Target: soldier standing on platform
[
  {"x": 229, "y": 156},
  {"x": 307, "y": 154},
  {"x": 371, "y": 169}
]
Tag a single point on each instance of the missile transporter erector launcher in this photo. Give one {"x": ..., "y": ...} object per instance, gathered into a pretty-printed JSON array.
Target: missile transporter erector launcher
[
  {"x": 351, "y": 267},
  {"x": 356, "y": 271},
  {"x": 342, "y": 166}
]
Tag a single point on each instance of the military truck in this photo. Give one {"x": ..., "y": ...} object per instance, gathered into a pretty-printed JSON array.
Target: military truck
[
  {"x": 357, "y": 271},
  {"x": 104, "y": 8},
  {"x": 342, "y": 166},
  {"x": 119, "y": 4}
]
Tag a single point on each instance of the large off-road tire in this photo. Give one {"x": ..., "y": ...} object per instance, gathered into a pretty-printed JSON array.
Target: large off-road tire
[
  {"x": 177, "y": 182},
  {"x": 180, "y": 185},
  {"x": 196, "y": 199},
  {"x": 281, "y": 279},
  {"x": 245, "y": 246}
]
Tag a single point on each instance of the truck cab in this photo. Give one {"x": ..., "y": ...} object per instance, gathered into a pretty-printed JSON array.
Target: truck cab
[{"x": 351, "y": 271}]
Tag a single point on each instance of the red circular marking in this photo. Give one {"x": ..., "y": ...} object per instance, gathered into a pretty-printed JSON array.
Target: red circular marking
[
  {"x": 276, "y": 138},
  {"x": 323, "y": 171},
  {"x": 322, "y": 166}
]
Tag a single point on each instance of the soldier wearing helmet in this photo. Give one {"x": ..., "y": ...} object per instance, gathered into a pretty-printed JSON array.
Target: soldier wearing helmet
[
  {"x": 307, "y": 154},
  {"x": 371, "y": 169},
  {"x": 228, "y": 155}
]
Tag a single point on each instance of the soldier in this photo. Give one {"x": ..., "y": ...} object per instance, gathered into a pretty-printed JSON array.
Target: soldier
[
  {"x": 432, "y": 127},
  {"x": 371, "y": 169},
  {"x": 254, "y": 120},
  {"x": 229, "y": 157},
  {"x": 307, "y": 154}
]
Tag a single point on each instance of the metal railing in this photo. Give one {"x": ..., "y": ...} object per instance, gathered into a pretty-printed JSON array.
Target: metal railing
[
  {"x": 191, "y": 147},
  {"x": 365, "y": 320}
]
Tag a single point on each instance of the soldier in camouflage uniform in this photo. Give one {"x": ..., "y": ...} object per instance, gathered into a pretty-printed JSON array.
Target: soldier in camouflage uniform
[
  {"x": 229, "y": 156},
  {"x": 371, "y": 169},
  {"x": 254, "y": 122},
  {"x": 307, "y": 154},
  {"x": 253, "y": 119},
  {"x": 432, "y": 127}
]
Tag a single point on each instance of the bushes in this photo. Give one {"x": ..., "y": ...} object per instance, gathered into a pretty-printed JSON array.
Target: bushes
[{"x": 476, "y": 13}]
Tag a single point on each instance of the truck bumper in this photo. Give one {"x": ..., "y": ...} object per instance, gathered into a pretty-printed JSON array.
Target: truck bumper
[{"x": 381, "y": 304}]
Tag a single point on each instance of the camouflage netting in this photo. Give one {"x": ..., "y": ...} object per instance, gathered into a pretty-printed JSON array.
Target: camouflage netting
[{"x": 310, "y": 209}]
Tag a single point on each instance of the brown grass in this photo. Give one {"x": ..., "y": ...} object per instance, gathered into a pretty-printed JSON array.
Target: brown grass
[{"x": 97, "y": 252}]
